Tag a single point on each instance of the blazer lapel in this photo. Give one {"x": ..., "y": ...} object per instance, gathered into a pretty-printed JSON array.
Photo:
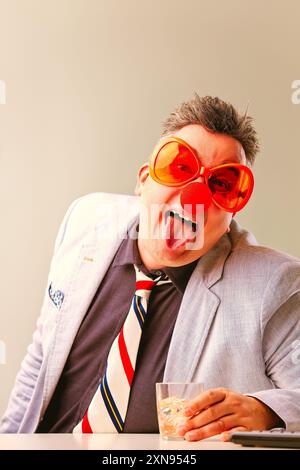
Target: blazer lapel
[
  {"x": 95, "y": 256},
  {"x": 196, "y": 314}
]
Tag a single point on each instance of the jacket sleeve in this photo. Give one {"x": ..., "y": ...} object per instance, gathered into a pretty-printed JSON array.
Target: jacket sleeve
[
  {"x": 31, "y": 364},
  {"x": 281, "y": 344}
]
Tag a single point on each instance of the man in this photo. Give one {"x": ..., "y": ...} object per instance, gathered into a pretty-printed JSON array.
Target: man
[{"x": 224, "y": 311}]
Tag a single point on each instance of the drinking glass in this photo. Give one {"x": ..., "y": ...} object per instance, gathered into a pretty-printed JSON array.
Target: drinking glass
[{"x": 171, "y": 399}]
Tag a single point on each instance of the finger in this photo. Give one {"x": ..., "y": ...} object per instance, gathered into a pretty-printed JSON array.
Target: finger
[
  {"x": 225, "y": 436},
  {"x": 212, "y": 429},
  {"x": 212, "y": 413},
  {"x": 205, "y": 399}
]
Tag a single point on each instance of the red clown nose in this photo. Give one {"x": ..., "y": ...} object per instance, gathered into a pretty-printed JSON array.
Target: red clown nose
[{"x": 193, "y": 195}]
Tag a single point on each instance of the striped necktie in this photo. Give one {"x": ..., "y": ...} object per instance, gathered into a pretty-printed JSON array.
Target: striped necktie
[{"x": 107, "y": 410}]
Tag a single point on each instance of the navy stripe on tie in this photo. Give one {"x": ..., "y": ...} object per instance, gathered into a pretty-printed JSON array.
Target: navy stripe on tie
[
  {"x": 110, "y": 405},
  {"x": 139, "y": 300},
  {"x": 138, "y": 311}
]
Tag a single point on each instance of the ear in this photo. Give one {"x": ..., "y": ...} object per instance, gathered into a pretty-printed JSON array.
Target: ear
[{"x": 141, "y": 178}]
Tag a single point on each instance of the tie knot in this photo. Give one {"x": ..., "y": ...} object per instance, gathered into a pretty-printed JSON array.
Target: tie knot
[{"x": 144, "y": 284}]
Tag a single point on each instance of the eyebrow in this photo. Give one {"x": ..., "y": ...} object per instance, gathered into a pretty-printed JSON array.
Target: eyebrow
[{"x": 227, "y": 161}]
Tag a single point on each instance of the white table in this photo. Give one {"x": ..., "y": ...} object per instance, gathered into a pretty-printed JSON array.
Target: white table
[{"x": 109, "y": 442}]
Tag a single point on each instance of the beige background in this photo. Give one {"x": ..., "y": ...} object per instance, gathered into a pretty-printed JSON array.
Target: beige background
[{"x": 88, "y": 83}]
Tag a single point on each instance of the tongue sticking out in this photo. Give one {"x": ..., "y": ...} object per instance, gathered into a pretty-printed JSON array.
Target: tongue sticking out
[{"x": 178, "y": 232}]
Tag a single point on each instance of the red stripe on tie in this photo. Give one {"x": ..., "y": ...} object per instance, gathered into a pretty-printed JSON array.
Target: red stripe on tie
[
  {"x": 144, "y": 285},
  {"x": 125, "y": 358},
  {"x": 86, "y": 428}
]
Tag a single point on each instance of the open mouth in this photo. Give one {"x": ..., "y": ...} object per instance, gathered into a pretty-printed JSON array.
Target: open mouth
[
  {"x": 179, "y": 229},
  {"x": 182, "y": 219}
]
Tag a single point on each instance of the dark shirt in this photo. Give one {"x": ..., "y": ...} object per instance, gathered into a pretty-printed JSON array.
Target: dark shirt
[{"x": 100, "y": 326}]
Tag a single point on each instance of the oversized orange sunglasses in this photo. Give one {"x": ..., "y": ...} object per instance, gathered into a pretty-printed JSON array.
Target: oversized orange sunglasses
[{"x": 174, "y": 163}]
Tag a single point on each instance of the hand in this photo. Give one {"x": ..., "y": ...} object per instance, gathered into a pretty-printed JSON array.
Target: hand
[{"x": 219, "y": 410}]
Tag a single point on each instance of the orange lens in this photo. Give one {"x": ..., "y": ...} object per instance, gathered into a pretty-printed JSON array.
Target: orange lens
[
  {"x": 174, "y": 164},
  {"x": 231, "y": 186}
]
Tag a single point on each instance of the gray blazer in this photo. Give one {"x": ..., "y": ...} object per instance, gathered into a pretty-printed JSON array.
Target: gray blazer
[{"x": 237, "y": 327}]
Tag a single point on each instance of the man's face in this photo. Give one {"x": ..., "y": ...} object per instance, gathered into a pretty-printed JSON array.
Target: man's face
[{"x": 156, "y": 252}]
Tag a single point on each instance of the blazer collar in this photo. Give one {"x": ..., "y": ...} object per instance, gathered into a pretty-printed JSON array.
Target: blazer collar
[
  {"x": 210, "y": 266},
  {"x": 196, "y": 314}
]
